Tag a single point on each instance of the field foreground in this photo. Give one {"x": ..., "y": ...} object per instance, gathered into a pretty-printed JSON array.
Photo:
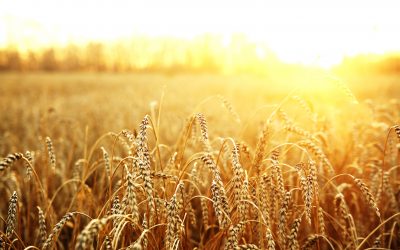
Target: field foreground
[{"x": 102, "y": 161}]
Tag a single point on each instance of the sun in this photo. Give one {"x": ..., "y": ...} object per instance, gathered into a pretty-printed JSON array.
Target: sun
[{"x": 308, "y": 32}]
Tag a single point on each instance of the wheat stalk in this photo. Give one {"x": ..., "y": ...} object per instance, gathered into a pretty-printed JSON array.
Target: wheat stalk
[
  {"x": 42, "y": 227},
  {"x": 57, "y": 228},
  {"x": 85, "y": 238},
  {"x": 312, "y": 170},
  {"x": 204, "y": 132},
  {"x": 12, "y": 215},
  {"x": 50, "y": 151},
  {"x": 317, "y": 151},
  {"x": 266, "y": 182},
  {"x": 237, "y": 181},
  {"x": 209, "y": 162},
  {"x": 116, "y": 210},
  {"x": 9, "y": 160},
  {"x": 30, "y": 158},
  {"x": 144, "y": 164},
  {"x": 129, "y": 202},
  {"x": 308, "y": 196},
  {"x": 270, "y": 240},
  {"x": 367, "y": 195},
  {"x": 145, "y": 228},
  {"x": 282, "y": 217},
  {"x": 277, "y": 174},
  {"x": 389, "y": 191},
  {"x": 293, "y": 244},
  {"x": 342, "y": 211},
  {"x": 321, "y": 221},
  {"x": 106, "y": 159},
  {"x": 260, "y": 149},
  {"x": 244, "y": 196},
  {"x": 204, "y": 211},
  {"x": 311, "y": 241},
  {"x": 173, "y": 220},
  {"x": 233, "y": 235},
  {"x": 219, "y": 203}
]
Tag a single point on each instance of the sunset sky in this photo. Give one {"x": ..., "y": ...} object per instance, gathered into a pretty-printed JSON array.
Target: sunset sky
[{"x": 308, "y": 32}]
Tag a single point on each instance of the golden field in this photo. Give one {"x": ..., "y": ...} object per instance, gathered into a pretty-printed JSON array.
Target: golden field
[{"x": 149, "y": 161}]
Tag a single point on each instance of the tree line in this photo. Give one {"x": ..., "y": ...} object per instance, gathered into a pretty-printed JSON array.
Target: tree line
[{"x": 205, "y": 53}]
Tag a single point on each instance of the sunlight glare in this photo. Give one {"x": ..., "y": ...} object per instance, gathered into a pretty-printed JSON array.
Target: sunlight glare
[{"x": 308, "y": 32}]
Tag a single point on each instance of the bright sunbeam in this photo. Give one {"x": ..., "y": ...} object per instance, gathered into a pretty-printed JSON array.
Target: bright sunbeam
[{"x": 306, "y": 32}]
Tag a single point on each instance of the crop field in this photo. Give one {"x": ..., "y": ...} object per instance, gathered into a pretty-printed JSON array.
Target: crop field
[{"x": 151, "y": 161}]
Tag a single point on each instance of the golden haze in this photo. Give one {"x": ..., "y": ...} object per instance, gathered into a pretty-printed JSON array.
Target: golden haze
[
  {"x": 180, "y": 125},
  {"x": 308, "y": 32}
]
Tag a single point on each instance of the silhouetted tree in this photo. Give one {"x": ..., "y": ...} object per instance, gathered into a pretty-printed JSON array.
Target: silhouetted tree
[
  {"x": 49, "y": 62},
  {"x": 13, "y": 60},
  {"x": 32, "y": 62},
  {"x": 72, "y": 60},
  {"x": 95, "y": 59}
]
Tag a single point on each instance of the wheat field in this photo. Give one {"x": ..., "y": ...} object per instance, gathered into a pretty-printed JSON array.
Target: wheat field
[{"x": 103, "y": 161}]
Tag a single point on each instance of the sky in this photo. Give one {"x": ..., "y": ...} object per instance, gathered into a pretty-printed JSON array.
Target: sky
[{"x": 320, "y": 32}]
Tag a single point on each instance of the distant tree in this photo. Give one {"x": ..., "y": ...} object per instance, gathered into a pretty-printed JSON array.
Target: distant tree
[
  {"x": 3, "y": 60},
  {"x": 71, "y": 60},
  {"x": 13, "y": 60},
  {"x": 49, "y": 62},
  {"x": 32, "y": 62},
  {"x": 95, "y": 59}
]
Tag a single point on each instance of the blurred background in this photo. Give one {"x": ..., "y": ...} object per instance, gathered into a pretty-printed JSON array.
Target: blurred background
[{"x": 219, "y": 37}]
